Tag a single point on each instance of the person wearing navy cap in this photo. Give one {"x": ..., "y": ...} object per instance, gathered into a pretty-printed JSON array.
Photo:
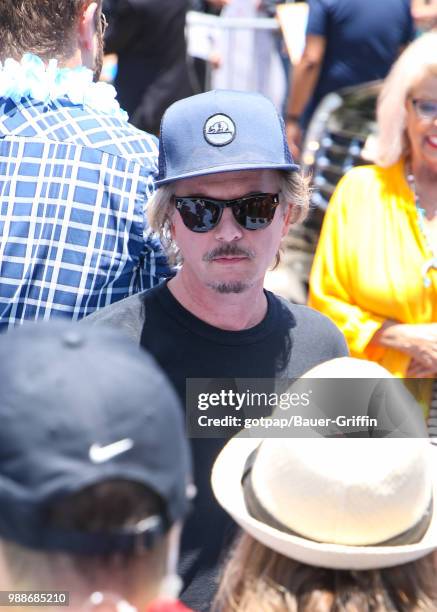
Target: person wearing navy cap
[
  {"x": 228, "y": 190},
  {"x": 95, "y": 473}
]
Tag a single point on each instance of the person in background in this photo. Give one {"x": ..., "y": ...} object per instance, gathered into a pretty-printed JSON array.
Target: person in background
[
  {"x": 201, "y": 67},
  {"x": 347, "y": 42},
  {"x": 75, "y": 177},
  {"x": 148, "y": 37},
  {"x": 330, "y": 524},
  {"x": 95, "y": 470},
  {"x": 374, "y": 271},
  {"x": 425, "y": 14},
  {"x": 268, "y": 8}
]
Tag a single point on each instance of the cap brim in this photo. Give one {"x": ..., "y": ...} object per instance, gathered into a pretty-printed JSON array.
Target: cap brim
[
  {"x": 226, "y": 483},
  {"x": 227, "y": 168}
]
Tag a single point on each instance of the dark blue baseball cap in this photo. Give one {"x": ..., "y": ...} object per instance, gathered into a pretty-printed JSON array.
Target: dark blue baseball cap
[
  {"x": 221, "y": 131},
  {"x": 80, "y": 406}
]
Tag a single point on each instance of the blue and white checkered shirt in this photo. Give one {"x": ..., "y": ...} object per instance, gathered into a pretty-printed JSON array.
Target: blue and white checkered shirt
[{"x": 74, "y": 185}]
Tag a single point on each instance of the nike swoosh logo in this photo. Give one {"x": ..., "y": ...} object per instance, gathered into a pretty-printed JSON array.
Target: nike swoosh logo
[{"x": 100, "y": 454}]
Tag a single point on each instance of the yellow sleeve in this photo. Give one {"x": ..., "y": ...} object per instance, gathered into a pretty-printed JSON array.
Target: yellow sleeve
[{"x": 331, "y": 280}]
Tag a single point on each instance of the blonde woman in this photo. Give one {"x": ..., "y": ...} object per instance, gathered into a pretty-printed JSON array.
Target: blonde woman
[{"x": 375, "y": 270}]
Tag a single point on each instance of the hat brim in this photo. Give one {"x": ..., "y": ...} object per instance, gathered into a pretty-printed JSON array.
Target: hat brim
[
  {"x": 227, "y": 168},
  {"x": 226, "y": 483}
]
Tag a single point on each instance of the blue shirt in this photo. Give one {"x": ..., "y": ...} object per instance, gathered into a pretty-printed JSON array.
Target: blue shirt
[
  {"x": 363, "y": 38},
  {"x": 74, "y": 186}
]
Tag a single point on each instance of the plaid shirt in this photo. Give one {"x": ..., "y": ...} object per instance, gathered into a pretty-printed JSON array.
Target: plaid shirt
[{"x": 74, "y": 185}]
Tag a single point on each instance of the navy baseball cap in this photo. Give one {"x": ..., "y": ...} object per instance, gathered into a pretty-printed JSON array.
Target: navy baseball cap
[
  {"x": 82, "y": 405},
  {"x": 221, "y": 131}
]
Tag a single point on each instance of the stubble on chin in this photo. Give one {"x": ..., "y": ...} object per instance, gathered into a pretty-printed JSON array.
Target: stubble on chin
[{"x": 224, "y": 288}]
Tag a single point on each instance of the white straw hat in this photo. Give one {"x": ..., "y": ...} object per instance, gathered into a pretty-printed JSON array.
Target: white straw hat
[{"x": 349, "y": 503}]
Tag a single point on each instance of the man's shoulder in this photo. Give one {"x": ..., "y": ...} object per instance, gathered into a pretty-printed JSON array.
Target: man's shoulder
[
  {"x": 308, "y": 325},
  {"x": 311, "y": 326},
  {"x": 76, "y": 124},
  {"x": 366, "y": 179},
  {"x": 114, "y": 135},
  {"x": 304, "y": 315},
  {"x": 127, "y": 315}
]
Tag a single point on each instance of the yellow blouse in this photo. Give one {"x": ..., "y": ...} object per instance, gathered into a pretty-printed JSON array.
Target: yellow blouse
[{"x": 367, "y": 267}]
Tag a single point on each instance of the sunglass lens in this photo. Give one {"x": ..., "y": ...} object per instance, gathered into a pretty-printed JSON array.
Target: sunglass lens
[
  {"x": 428, "y": 108},
  {"x": 199, "y": 215},
  {"x": 256, "y": 212}
]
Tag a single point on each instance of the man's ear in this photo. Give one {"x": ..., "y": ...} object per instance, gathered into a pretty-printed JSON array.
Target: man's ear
[
  {"x": 172, "y": 224},
  {"x": 288, "y": 219},
  {"x": 87, "y": 27}
]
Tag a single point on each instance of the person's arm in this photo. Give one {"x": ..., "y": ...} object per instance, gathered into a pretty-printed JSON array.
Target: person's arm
[
  {"x": 419, "y": 341},
  {"x": 332, "y": 278},
  {"x": 333, "y": 290},
  {"x": 303, "y": 84}
]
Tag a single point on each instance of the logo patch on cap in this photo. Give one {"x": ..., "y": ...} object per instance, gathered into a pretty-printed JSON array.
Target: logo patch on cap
[{"x": 219, "y": 130}]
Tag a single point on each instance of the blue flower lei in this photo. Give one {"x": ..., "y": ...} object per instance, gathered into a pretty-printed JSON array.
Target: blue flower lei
[{"x": 31, "y": 78}]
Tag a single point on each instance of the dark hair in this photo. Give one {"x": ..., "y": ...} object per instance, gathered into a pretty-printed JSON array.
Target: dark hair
[
  {"x": 105, "y": 506},
  {"x": 101, "y": 507},
  {"x": 43, "y": 27},
  {"x": 257, "y": 578}
]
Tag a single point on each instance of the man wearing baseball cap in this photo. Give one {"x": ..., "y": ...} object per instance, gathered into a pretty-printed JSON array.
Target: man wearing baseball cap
[
  {"x": 228, "y": 191},
  {"x": 94, "y": 472}
]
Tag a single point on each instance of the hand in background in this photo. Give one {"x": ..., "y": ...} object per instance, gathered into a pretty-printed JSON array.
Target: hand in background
[
  {"x": 421, "y": 345},
  {"x": 419, "y": 341},
  {"x": 215, "y": 60},
  {"x": 417, "y": 370},
  {"x": 294, "y": 138},
  {"x": 219, "y": 3}
]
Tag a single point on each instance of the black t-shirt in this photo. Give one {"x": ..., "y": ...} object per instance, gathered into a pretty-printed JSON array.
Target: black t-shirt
[{"x": 288, "y": 342}]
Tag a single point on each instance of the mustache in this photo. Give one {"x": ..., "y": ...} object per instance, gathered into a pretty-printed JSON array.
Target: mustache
[{"x": 228, "y": 250}]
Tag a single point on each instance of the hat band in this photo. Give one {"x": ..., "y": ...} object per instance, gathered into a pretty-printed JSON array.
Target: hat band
[{"x": 255, "y": 508}]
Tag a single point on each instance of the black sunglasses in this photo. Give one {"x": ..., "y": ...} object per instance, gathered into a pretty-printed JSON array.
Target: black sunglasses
[{"x": 200, "y": 214}]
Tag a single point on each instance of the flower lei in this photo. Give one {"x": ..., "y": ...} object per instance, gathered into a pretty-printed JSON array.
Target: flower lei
[{"x": 31, "y": 78}]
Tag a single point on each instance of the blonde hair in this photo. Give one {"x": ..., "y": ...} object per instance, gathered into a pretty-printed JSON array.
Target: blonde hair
[
  {"x": 294, "y": 192},
  {"x": 417, "y": 61},
  {"x": 257, "y": 578}
]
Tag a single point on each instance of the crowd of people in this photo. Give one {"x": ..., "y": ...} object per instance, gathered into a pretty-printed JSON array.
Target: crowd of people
[{"x": 133, "y": 264}]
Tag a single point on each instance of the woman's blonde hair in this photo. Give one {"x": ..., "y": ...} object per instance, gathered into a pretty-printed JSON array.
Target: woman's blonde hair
[
  {"x": 257, "y": 578},
  {"x": 417, "y": 61},
  {"x": 294, "y": 192}
]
